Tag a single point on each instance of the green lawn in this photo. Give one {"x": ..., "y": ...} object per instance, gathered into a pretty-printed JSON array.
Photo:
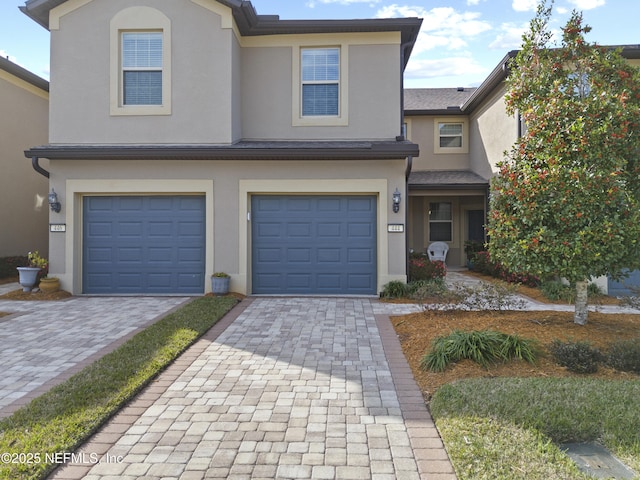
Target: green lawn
[
  {"x": 510, "y": 428},
  {"x": 63, "y": 418}
]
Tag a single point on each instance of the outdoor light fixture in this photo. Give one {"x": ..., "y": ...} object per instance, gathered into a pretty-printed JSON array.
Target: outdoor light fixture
[
  {"x": 53, "y": 201},
  {"x": 397, "y": 196}
]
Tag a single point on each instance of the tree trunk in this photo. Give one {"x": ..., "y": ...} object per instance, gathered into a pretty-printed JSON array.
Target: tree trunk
[{"x": 581, "y": 311}]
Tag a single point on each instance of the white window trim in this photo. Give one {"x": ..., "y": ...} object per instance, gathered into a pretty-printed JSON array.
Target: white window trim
[
  {"x": 340, "y": 120},
  {"x": 465, "y": 135},
  {"x": 137, "y": 19}
]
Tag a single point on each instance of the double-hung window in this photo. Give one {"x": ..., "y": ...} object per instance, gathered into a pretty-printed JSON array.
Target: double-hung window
[
  {"x": 451, "y": 135},
  {"x": 440, "y": 222},
  {"x": 142, "y": 68},
  {"x": 320, "y": 75}
]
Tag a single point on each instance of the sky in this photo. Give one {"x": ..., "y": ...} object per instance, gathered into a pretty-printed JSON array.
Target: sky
[{"x": 460, "y": 42}]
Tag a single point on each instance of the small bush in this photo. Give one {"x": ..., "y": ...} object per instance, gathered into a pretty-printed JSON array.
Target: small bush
[
  {"x": 483, "y": 263},
  {"x": 421, "y": 268},
  {"x": 557, "y": 290},
  {"x": 578, "y": 357},
  {"x": 394, "y": 289},
  {"x": 483, "y": 347},
  {"x": 421, "y": 289},
  {"x": 625, "y": 356},
  {"x": 8, "y": 266}
]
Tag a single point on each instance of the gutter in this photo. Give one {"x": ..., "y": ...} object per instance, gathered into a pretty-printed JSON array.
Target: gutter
[{"x": 36, "y": 166}]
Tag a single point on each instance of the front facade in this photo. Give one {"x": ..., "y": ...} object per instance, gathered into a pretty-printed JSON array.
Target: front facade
[
  {"x": 24, "y": 104},
  {"x": 202, "y": 137}
]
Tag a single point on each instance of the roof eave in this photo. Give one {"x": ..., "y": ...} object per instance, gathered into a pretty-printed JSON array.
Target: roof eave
[{"x": 243, "y": 151}]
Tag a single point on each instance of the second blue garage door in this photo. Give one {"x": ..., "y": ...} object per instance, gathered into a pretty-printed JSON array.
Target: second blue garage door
[
  {"x": 314, "y": 245},
  {"x": 143, "y": 244}
]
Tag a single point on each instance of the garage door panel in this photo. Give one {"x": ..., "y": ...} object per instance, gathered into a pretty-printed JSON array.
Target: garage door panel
[
  {"x": 342, "y": 242},
  {"x": 144, "y": 244}
]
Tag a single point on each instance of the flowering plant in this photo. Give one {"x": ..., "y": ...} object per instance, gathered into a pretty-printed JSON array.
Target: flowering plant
[
  {"x": 421, "y": 268},
  {"x": 36, "y": 261}
]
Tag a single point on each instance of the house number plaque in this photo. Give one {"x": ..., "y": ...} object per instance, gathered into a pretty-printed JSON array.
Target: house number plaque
[{"x": 57, "y": 227}]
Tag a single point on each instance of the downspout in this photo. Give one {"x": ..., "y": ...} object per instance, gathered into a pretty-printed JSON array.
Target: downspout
[
  {"x": 38, "y": 168},
  {"x": 407, "y": 172}
]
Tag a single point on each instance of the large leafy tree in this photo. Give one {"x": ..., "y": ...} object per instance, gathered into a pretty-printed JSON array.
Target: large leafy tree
[{"x": 566, "y": 200}]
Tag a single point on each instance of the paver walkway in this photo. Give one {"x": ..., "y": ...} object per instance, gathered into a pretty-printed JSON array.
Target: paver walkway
[
  {"x": 43, "y": 343},
  {"x": 293, "y": 388}
]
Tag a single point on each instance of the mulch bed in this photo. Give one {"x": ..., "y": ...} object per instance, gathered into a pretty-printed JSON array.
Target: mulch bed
[{"x": 417, "y": 331}]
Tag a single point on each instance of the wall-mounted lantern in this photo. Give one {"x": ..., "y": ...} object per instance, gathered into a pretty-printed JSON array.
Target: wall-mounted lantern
[
  {"x": 53, "y": 202},
  {"x": 397, "y": 196}
]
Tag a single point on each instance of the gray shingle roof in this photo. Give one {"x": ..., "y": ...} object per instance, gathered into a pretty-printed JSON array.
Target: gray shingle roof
[
  {"x": 425, "y": 99},
  {"x": 447, "y": 178}
]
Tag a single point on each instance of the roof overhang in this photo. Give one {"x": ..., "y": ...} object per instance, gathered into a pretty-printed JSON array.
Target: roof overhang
[
  {"x": 389, "y": 150},
  {"x": 251, "y": 24},
  {"x": 446, "y": 180},
  {"x": 23, "y": 74}
]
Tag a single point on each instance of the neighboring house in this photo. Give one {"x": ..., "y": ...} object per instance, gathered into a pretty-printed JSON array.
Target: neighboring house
[
  {"x": 462, "y": 133},
  {"x": 193, "y": 136},
  {"x": 24, "y": 105}
]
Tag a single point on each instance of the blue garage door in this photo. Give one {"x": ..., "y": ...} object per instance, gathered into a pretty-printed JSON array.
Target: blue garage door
[
  {"x": 628, "y": 287},
  {"x": 314, "y": 245},
  {"x": 143, "y": 244}
]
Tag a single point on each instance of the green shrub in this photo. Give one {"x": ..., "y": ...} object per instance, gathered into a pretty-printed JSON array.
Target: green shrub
[
  {"x": 483, "y": 347},
  {"x": 483, "y": 263},
  {"x": 421, "y": 289},
  {"x": 578, "y": 357},
  {"x": 556, "y": 290},
  {"x": 8, "y": 265},
  {"x": 624, "y": 356},
  {"x": 394, "y": 289}
]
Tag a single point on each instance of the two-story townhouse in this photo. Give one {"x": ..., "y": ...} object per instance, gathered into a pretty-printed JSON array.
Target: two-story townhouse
[
  {"x": 24, "y": 104},
  {"x": 194, "y": 136},
  {"x": 462, "y": 133}
]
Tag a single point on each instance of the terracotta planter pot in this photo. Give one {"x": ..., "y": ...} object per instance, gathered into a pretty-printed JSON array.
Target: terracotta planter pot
[{"x": 49, "y": 285}]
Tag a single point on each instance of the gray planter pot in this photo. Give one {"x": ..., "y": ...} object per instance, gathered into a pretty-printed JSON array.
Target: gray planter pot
[
  {"x": 28, "y": 277},
  {"x": 220, "y": 285}
]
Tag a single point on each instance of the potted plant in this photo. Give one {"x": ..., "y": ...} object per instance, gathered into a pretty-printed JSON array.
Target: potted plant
[
  {"x": 29, "y": 274},
  {"x": 471, "y": 248},
  {"x": 220, "y": 283}
]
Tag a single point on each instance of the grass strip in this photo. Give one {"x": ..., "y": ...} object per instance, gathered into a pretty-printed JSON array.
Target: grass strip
[
  {"x": 509, "y": 428},
  {"x": 64, "y": 417}
]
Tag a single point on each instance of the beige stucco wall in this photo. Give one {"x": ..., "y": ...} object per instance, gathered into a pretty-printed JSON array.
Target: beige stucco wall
[
  {"x": 421, "y": 130},
  {"x": 492, "y": 133},
  {"x": 23, "y": 124},
  {"x": 223, "y": 87},
  {"x": 202, "y": 96},
  {"x": 227, "y": 186}
]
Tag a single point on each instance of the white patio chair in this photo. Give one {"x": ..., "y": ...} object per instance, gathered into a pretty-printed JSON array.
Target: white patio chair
[{"x": 438, "y": 251}]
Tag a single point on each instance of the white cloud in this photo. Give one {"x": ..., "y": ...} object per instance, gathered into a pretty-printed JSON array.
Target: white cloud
[
  {"x": 313, "y": 3},
  {"x": 524, "y": 5},
  {"x": 509, "y": 36},
  {"x": 445, "y": 67},
  {"x": 587, "y": 4},
  {"x": 442, "y": 27}
]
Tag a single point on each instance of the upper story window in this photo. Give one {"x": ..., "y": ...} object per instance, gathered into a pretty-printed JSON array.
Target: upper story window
[
  {"x": 321, "y": 85},
  {"x": 142, "y": 68},
  {"x": 451, "y": 135},
  {"x": 140, "y": 62},
  {"x": 320, "y": 81}
]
